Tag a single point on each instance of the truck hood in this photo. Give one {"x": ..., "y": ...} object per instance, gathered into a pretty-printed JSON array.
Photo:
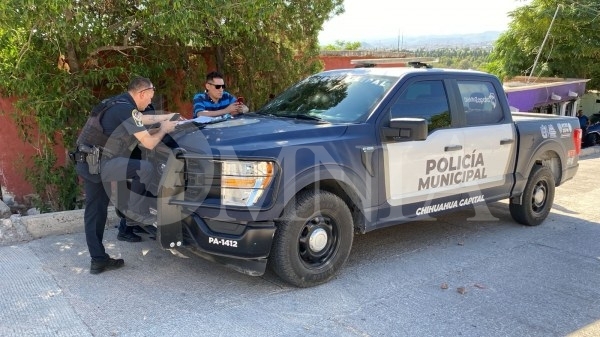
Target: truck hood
[{"x": 250, "y": 133}]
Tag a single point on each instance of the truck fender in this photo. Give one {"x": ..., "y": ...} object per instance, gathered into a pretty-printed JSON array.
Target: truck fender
[
  {"x": 337, "y": 179},
  {"x": 548, "y": 154}
]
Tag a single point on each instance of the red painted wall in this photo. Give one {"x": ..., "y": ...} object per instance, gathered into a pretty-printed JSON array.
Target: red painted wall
[
  {"x": 16, "y": 155},
  {"x": 11, "y": 177}
]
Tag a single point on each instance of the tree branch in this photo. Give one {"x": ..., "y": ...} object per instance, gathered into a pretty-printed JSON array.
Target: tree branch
[
  {"x": 127, "y": 36},
  {"x": 115, "y": 48},
  {"x": 25, "y": 48},
  {"x": 72, "y": 59}
]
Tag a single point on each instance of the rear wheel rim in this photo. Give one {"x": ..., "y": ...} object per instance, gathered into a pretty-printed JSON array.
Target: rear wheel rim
[{"x": 539, "y": 197}]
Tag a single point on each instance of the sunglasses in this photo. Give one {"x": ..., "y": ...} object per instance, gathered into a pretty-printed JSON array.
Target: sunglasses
[
  {"x": 151, "y": 88},
  {"x": 218, "y": 86}
]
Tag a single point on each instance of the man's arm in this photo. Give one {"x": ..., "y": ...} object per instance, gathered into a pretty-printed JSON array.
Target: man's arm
[
  {"x": 198, "y": 105},
  {"x": 153, "y": 119},
  {"x": 233, "y": 109},
  {"x": 149, "y": 140},
  {"x": 215, "y": 113}
]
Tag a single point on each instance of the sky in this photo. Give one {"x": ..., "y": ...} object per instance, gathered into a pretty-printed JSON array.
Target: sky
[{"x": 379, "y": 19}]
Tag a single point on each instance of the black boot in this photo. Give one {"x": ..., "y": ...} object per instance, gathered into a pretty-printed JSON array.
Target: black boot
[
  {"x": 126, "y": 234},
  {"x": 98, "y": 267}
]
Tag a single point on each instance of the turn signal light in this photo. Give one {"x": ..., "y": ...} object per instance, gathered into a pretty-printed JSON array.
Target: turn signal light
[{"x": 577, "y": 135}]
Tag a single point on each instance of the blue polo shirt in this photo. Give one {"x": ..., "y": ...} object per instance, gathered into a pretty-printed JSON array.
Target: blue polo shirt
[{"x": 203, "y": 102}]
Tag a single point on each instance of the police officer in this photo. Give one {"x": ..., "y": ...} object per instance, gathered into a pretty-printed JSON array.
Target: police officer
[{"x": 122, "y": 125}]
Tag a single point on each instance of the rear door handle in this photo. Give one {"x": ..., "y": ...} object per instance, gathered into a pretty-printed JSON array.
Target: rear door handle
[
  {"x": 453, "y": 148},
  {"x": 506, "y": 141}
]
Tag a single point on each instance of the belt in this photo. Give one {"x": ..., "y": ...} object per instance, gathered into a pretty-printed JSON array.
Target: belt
[
  {"x": 78, "y": 156},
  {"x": 107, "y": 155},
  {"x": 81, "y": 153}
]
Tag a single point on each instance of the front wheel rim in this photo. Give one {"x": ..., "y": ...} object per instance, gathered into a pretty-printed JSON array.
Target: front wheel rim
[{"x": 318, "y": 241}]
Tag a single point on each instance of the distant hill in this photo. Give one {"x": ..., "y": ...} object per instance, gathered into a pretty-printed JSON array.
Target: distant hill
[{"x": 485, "y": 39}]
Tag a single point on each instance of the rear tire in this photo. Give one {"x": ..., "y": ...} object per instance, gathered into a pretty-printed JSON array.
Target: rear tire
[
  {"x": 537, "y": 198},
  {"x": 313, "y": 239}
]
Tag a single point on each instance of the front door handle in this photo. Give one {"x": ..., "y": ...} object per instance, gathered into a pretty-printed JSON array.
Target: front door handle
[
  {"x": 506, "y": 141},
  {"x": 453, "y": 148}
]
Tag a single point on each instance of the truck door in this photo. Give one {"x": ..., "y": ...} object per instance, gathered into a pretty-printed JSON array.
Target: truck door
[
  {"x": 489, "y": 140},
  {"x": 421, "y": 175}
]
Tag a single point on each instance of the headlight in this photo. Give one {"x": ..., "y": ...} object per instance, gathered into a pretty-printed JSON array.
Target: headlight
[{"x": 244, "y": 182}]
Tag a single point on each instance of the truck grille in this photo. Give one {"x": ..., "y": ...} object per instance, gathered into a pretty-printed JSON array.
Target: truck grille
[{"x": 202, "y": 179}]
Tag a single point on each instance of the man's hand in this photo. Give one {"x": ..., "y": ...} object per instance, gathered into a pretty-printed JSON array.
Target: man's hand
[{"x": 234, "y": 109}]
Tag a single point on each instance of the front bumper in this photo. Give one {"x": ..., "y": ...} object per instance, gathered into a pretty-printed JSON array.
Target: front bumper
[{"x": 243, "y": 246}]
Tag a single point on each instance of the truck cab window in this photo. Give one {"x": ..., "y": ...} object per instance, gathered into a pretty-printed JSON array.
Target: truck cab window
[
  {"x": 480, "y": 103},
  {"x": 427, "y": 100}
]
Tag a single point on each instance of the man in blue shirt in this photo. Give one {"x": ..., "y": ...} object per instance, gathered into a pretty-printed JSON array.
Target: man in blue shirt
[
  {"x": 584, "y": 121},
  {"x": 215, "y": 101}
]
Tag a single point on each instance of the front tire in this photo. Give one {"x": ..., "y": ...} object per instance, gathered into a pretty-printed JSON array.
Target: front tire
[
  {"x": 313, "y": 239},
  {"x": 537, "y": 199}
]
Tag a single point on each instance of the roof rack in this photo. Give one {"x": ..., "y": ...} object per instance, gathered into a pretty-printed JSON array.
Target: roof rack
[
  {"x": 419, "y": 64},
  {"x": 415, "y": 62},
  {"x": 365, "y": 65}
]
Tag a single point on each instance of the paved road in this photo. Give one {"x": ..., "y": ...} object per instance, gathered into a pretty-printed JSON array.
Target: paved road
[{"x": 517, "y": 281}]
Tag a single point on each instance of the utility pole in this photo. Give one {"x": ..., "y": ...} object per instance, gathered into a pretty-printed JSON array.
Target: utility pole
[{"x": 543, "y": 43}]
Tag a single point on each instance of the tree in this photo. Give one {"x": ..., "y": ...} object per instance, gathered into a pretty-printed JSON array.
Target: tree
[
  {"x": 572, "y": 48},
  {"x": 457, "y": 58},
  {"x": 342, "y": 45},
  {"x": 60, "y": 57}
]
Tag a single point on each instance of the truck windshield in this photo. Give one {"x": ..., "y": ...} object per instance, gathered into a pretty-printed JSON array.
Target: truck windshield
[{"x": 331, "y": 98}]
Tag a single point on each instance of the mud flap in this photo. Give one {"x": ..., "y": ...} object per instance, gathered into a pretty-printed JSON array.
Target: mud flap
[{"x": 171, "y": 187}]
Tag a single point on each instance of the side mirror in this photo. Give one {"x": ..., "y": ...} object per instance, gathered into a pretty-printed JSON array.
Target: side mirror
[{"x": 406, "y": 129}]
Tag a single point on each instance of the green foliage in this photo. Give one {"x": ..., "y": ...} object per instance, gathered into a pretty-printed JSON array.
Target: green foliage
[
  {"x": 571, "y": 49},
  {"x": 457, "y": 58},
  {"x": 261, "y": 46},
  {"x": 57, "y": 186},
  {"x": 342, "y": 45}
]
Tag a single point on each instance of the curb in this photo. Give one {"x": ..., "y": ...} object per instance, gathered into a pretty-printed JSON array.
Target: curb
[{"x": 59, "y": 223}]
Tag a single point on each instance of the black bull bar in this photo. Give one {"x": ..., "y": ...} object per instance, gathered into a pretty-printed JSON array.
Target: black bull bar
[{"x": 180, "y": 229}]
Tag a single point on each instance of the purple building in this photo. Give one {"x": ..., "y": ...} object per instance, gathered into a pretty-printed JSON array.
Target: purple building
[{"x": 559, "y": 96}]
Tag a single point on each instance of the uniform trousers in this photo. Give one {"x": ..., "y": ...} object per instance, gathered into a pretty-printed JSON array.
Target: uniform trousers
[{"x": 97, "y": 196}]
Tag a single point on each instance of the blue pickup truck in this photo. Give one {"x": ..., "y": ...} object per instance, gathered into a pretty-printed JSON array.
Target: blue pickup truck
[{"x": 350, "y": 151}]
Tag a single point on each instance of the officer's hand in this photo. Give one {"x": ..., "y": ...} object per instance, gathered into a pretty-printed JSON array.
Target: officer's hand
[
  {"x": 168, "y": 126},
  {"x": 174, "y": 116}
]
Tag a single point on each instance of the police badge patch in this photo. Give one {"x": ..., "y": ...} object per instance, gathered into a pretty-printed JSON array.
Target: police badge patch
[{"x": 137, "y": 117}]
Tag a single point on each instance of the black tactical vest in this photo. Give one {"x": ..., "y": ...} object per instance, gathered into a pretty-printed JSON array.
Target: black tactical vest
[{"x": 92, "y": 133}]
